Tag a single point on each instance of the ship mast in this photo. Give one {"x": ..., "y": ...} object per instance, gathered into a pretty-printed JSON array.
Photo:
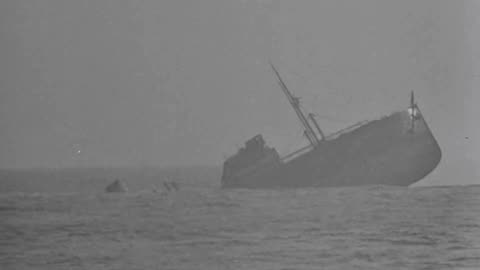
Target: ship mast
[
  {"x": 295, "y": 102},
  {"x": 314, "y": 121}
]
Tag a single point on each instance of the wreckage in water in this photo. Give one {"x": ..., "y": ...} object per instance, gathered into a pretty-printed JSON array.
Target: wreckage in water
[{"x": 398, "y": 149}]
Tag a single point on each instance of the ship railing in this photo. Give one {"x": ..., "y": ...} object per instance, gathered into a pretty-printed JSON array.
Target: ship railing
[
  {"x": 345, "y": 130},
  {"x": 329, "y": 137},
  {"x": 296, "y": 153}
]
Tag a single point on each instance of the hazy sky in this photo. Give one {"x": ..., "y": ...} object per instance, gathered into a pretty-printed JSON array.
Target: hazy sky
[{"x": 170, "y": 82}]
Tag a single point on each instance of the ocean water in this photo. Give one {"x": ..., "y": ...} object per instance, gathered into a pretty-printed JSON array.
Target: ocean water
[{"x": 205, "y": 227}]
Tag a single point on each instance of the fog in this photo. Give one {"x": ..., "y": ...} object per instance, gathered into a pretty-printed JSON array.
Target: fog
[{"x": 117, "y": 83}]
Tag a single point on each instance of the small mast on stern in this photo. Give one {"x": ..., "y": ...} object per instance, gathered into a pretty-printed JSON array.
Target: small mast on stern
[{"x": 413, "y": 111}]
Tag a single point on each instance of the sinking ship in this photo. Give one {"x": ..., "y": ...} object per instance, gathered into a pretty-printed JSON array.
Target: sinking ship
[{"x": 398, "y": 149}]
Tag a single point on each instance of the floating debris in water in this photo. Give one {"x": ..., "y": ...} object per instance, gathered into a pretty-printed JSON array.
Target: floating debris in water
[{"x": 116, "y": 186}]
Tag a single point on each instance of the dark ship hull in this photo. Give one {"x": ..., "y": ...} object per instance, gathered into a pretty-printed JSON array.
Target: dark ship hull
[{"x": 396, "y": 150}]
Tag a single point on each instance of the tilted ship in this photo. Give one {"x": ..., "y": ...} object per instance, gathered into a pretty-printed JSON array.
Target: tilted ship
[{"x": 398, "y": 149}]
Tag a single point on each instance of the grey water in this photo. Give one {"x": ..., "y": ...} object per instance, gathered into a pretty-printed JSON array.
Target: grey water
[{"x": 72, "y": 224}]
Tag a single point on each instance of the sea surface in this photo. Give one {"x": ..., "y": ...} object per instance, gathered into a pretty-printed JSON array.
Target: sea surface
[{"x": 205, "y": 227}]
